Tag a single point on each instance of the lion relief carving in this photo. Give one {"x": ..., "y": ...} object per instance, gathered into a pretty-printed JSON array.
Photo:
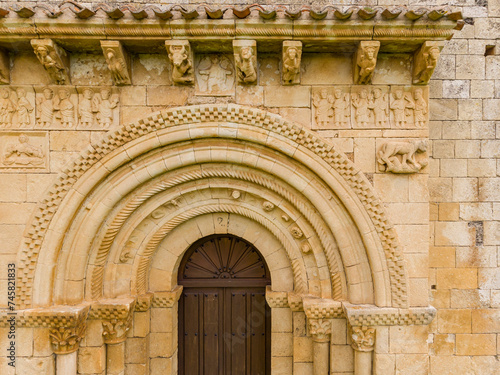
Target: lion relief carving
[{"x": 401, "y": 157}]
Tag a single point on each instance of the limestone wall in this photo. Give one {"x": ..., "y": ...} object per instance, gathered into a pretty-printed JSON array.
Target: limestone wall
[{"x": 447, "y": 215}]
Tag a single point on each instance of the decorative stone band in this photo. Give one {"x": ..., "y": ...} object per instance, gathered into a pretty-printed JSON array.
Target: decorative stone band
[
  {"x": 357, "y": 315},
  {"x": 144, "y": 302},
  {"x": 167, "y": 299},
  {"x": 357, "y": 22}
]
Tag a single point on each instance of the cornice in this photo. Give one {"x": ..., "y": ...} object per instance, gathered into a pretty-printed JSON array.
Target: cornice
[{"x": 70, "y": 20}]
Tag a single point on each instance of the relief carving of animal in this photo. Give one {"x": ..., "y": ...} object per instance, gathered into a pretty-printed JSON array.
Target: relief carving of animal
[
  {"x": 399, "y": 157},
  {"x": 182, "y": 71}
]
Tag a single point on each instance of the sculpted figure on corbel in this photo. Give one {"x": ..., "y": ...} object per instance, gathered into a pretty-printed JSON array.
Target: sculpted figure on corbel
[
  {"x": 401, "y": 157},
  {"x": 363, "y": 338},
  {"x": 365, "y": 61},
  {"x": 4, "y": 67},
  {"x": 118, "y": 61},
  {"x": 425, "y": 61},
  {"x": 54, "y": 59},
  {"x": 292, "y": 54},
  {"x": 181, "y": 57},
  {"x": 245, "y": 58}
]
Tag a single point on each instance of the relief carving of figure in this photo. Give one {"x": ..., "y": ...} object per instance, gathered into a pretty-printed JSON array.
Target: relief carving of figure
[
  {"x": 380, "y": 108},
  {"x": 182, "y": 71},
  {"x": 324, "y": 108},
  {"x": 24, "y": 108},
  {"x": 362, "y": 111},
  {"x": 430, "y": 59},
  {"x": 87, "y": 108},
  {"x": 23, "y": 153},
  {"x": 7, "y": 108},
  {"x": 48, "y": 58},
  {"x": 340, "y": 108},
  {"x": 400, "y": 105},
  {"x": 366, "y": 64},
  {"x": 105, "y": 104},
  {"x": 399, "y": 157},
  {"x": 118, "y": 67},
  {"x": 246, "y": 65},
  {"x": 65, "y": 108},
  {"x": 45, "y": 108},
  {"x": 291, "y": 66},
  {"x": 215, "y": 71},
  {"x": 420, "y": 109}
]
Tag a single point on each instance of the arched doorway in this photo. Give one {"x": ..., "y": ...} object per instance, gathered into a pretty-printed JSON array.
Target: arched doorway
[{"x": 224, "y": 321}]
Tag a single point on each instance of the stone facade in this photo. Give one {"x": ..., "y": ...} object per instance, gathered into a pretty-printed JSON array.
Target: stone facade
[{"x": 355, "y": 146}]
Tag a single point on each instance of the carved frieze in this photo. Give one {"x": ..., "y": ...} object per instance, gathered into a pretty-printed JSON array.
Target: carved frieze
[
  {"x": 409, "y": 106},
  {"x": 365, "y": 60},
  {"x": 425, "y": 61},
  {"x": 180, "y": 55},
  {"x": 56, "y": 107},
  {"x": 402, "y": 156},
  {"x": 17, "y": 104},
  {"x": 370, "y": 107},
  {"x": 4, "y": 67},
  {"x": 292, "y": 55},
  {"x": 118, "y": 61},
  {"x": 24, "y": 151},
  {"x": 54, "y": 59},
  {"x": 331, "y": 107},
  {"x": 215, "y": 75},
  {"x": 98, "y": 108},
  {"x": 245, "y": 58}
]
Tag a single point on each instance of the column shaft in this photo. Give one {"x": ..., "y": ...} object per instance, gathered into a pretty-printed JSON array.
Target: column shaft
[
  {"x": 66, "y": 363},
  {"x": 362, "y": 362},
  {"x": 115, "y": 359},
  {"x": 321, "y": 357}
]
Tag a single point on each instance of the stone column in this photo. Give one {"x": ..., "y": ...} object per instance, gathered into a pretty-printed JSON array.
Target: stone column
[
  {"x": 320, "y": 330},
  {"x": 363, "y": 340},
  {"x": 68, "y": 329},
  {"x": 116, "y": 316}
]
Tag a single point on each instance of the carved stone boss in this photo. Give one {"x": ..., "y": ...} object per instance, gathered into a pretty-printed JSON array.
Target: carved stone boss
[
  {"x": 245, "y": 58},
  {"x": 180, "y": 55},
  {"x": 118, "y": 61},
  {"x": 292, "y": 55},
  {"x": 54, "y": 59}
]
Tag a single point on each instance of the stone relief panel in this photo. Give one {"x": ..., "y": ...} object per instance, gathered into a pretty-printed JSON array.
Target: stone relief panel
[
  {"x": 402, "y": 156},
  {"x": 56, "y": 107},
  {"x": 331, "y": 107},
  {"x": 215, "y": 74},
  {"x": 98, "y": 108},
  {"x": 370, "y": 106},
  {"x": 24, "y": 151},
  {"x": 17, "y": 107},
  {"x": 409, "y": 107}
]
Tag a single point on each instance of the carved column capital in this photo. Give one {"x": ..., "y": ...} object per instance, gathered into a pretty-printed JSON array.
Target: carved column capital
[
  {"x": 363, "y": 338},
  {"x": 320, "y": 329},
  {"x": 116, "y": 316},
  {"x": 68, "y": 325}
]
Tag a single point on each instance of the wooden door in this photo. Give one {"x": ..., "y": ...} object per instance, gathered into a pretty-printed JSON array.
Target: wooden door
[{"x": 224, "y": 321}]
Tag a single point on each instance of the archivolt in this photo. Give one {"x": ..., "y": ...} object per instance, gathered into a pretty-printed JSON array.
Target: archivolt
[{"x": 59, "y": 209}]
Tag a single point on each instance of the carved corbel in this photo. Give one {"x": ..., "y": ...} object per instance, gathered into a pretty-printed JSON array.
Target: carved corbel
[
  {"x": 118, "y": 61},
  {"x": 365, "y": 60},
  {"x": 181, "y": 57},
  {"x": 425, "y": 61},
  {"x": 401, "y": 157},
  {"x": 4, "y": 68},
  {"x": 276, "y": 299},
  {"x": 245, "y": 58},
  {"x": 292, "y": 55},
  {"x": 54, "y": 59}
]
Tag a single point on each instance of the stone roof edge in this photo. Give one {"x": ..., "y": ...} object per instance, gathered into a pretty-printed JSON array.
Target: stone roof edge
[{"x": 139, "y": 12}]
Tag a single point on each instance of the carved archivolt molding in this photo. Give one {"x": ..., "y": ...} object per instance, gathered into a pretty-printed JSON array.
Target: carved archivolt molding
[{"x": 173, "y": 118}]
